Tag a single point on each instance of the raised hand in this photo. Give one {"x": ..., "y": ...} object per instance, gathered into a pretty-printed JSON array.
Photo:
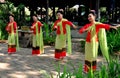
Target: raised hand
[
  {"x": 118, "y": 26},
  {"x": 114, "y": 27},
  {"x": 75, "y": 27}
]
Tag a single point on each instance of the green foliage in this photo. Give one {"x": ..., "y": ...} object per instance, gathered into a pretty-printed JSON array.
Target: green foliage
[
  {"x": 49, "y": 36},
  {"x": 103, "y": 19},
  {"x": 114, "y": 69},
  {"x": 82, "y": 43},
  {"x": 109, "y": 70},
  {"x": 3, "y": 33},
  {"x": 78, "y": 73},
  {"x": 102, "y": 73},
  {"x": 113, "y": 39},
  {"x": 5, "y": 9},
  {"x": 20, "y": 16},
  {"x": 3, "y": 21}
]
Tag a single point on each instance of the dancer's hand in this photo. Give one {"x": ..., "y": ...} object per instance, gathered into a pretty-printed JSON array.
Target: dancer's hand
[
  {"x": 54, "y": 28},
  {"x": 42, "y": 25},
  {"x": 114, "y": 27},
  {"x": 32, "y": 27},
  {"x": 118, "y": 26},
  {"x": 74, "y": 26}
]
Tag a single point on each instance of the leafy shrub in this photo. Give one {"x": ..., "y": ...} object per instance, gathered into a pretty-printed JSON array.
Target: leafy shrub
[
  {"x": 49, "y": 35},
  {"x": 113, "y": 39},
  {"x": 3, "y": 33},
  {"x": 109, "y": 70}
]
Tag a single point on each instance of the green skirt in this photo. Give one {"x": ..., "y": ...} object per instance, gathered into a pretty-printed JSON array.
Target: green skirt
[
  {"x": 91, "y": 51},
  {"x": 12, "y": 39},
  {"x": 60, "y": 42}
]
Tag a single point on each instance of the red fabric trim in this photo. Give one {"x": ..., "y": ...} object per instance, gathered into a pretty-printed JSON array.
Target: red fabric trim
[
  {"x": 35, "y": 52},
  {"x": 34, "y": 28},
  {"x": 88, "y": 37},
  {"x": 63, "y": 25},
  {"x": 98, "y": 26},
  {"x": 94, "y": 68},
  {"x": 57, "y": 55},
  {"x": 87, "y": 68},
  {"x": 106, "y": 26},
  {"x": 8, "y": 27},
  {"x": 69, "y": 23},
  {"x": 55, "y": 24},
  {"x": 84, "y": 28},
  {"x": 58, "y": 30},
  {"x": 63, "y": 53},
  {"x": 11, "y": 50}
]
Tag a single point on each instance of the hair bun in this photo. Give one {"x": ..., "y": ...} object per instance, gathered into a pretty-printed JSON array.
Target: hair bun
[
  {"x": 60, "y": 11},
  {"x": 11, "y": 14},
  {"x": 34, "y": 15},
  {"x": 92, "y": 12}
]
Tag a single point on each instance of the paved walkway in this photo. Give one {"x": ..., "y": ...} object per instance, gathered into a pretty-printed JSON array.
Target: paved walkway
[{"x": 24, "y": 65}]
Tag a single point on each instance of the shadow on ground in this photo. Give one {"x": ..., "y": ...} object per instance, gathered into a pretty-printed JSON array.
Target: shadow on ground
[{"x": 24, "y": 65}]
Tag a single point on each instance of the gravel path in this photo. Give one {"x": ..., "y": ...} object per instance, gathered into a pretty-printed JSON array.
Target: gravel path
[{"x": 24, "y": 65}]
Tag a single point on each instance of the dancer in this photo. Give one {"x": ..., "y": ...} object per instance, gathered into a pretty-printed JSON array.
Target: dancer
[
  {"x": 62, "y": 27},
  {"x": 95, "y": 32},
  {"x": 37, "y": 45},
  {"x": 11, "y": 28}
]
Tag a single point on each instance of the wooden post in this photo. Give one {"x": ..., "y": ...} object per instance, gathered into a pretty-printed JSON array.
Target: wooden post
[
  {"x": 47, "y": 12},
  {"x": 98, "y": 9},
  {"x": 115, "y": 15},
  {"x": 31, "y": 13},
  {"x": 113, "y": 9},
  {"x": 23, "y": 14},
  {"x": 90, "y": 4},
  {"x": 41, "y": 13},
  {"x": 54, "y": 16}
]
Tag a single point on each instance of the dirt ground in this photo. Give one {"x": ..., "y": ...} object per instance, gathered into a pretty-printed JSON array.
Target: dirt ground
[{"x": 24, "y": 65}]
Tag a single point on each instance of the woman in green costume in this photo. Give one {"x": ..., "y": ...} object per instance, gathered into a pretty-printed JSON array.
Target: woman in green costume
[
  {"x": 37, "y": 45},
  {"x": 62, "y": 27},
  {"x": 11, "y": 28},
  {"x": 95, "y": 32}
]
